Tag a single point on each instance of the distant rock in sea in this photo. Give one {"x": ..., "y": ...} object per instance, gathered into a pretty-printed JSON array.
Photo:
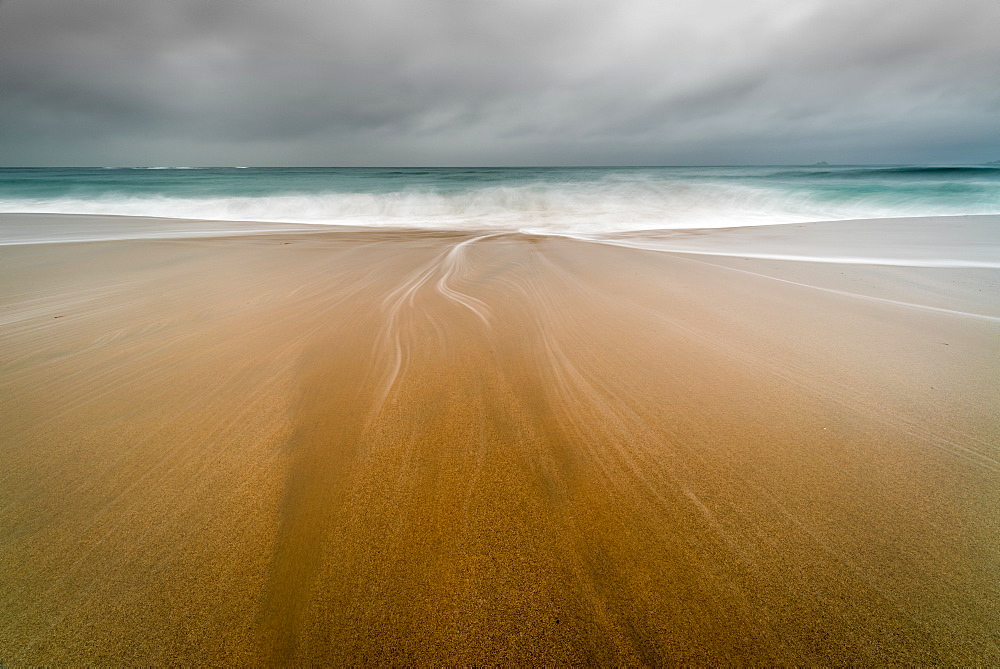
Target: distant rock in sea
[{"x": 821, "y": 163}]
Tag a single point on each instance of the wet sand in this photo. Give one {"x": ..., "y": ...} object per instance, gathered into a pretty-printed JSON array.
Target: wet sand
[{"x": 414, "y": 447}]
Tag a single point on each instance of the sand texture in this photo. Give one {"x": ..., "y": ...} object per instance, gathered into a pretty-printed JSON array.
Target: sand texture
[{"x": 416, "y": 447}]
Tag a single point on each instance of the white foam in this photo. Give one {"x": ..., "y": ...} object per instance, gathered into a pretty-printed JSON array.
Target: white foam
[
  {"x": 610, "y": 205},
  {"x": 954, "y": 263},
  {"x": 957, "y": 242}
]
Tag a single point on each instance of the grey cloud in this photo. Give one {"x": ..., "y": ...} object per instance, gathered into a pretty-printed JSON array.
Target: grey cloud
[{"x": 502, "y": 82}]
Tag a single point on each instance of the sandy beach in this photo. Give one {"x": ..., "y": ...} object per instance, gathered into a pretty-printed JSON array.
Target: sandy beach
[{"x": 307, "y": 445}]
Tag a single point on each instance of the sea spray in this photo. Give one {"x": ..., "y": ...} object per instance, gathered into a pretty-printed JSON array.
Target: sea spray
[{"x": 541, "y": 200}]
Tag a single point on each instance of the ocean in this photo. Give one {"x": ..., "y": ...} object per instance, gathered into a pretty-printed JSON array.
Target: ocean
[{"x": 548, "y": 200}]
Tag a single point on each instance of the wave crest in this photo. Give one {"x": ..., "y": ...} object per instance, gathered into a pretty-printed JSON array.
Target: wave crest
[{"x": 613, "y": 204}]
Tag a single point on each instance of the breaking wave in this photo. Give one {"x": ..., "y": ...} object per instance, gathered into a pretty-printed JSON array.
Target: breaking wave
[{"x": 555, "y": 201}]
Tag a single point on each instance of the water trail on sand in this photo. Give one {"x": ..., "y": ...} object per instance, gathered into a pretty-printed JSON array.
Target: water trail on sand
[
  {"x": 448, "y": 263},
  {"x": 955, "y": 242},
  {"x": 454, "y": 262},
  {"x": 930, "y": 263}
]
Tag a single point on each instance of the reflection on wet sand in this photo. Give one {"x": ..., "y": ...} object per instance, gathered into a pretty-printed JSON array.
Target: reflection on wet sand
[{"x": 406, "y": 447}]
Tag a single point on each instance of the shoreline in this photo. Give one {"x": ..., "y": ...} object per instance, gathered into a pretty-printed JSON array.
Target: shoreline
[{"x": 435, "y": 447}]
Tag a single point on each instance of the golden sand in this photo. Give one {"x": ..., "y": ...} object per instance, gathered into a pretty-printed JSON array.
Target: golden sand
[{"x": 370, "y": 447}]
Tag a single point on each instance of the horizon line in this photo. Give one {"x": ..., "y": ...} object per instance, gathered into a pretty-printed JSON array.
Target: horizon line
[{"x": 445, "y": 167}]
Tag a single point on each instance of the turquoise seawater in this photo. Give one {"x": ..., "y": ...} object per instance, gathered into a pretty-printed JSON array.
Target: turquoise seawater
[{"x": 558, "y": 200}]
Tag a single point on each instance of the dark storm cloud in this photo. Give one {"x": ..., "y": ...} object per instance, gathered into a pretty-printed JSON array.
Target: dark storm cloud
[{"x": 487, "y": 82}]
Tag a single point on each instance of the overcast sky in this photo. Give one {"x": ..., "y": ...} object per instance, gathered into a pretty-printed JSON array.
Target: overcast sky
[{"x": 498, "y": 82}]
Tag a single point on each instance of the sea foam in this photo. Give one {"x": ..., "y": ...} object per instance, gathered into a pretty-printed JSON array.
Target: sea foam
[{"x": 537, "y": 200}]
